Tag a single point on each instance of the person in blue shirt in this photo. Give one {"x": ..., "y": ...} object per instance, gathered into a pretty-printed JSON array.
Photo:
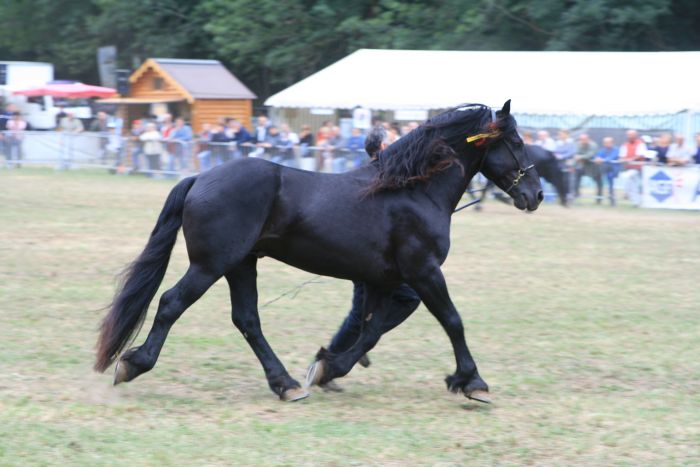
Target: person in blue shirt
[
  {"x": 607, "y": 158},
  {"x": 696, "y": 157},
  {"x": 355, "y": 145},
  {"x": 182, "y": 136}
]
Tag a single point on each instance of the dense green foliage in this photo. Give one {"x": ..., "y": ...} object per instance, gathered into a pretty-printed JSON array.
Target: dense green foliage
[{"x": 271, "y": 44}]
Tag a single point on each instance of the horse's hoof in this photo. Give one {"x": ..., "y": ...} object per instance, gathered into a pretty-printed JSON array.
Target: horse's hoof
[
  {"x": 314, "y": 375},
  {"x": 121, "y": 372},
  {"x": 364, "y": 361},
  {"x": 481, "y": 396},
  {"x": 294, "y": 394}
]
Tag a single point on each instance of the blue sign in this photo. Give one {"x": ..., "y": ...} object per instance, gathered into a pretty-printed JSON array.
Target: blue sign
[{"x": 661, "y": 186}]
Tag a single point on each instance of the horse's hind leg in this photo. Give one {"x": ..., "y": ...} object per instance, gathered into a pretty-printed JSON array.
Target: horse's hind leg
[
  {"x": 244, "y": 313},
  {"x": 172, "y": 304}
]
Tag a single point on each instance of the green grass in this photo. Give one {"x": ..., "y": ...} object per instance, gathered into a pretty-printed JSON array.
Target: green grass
[{"x": 584, "y": 322}]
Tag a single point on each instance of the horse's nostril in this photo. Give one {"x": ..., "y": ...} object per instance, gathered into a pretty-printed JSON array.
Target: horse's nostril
[{"x": 540, "y": 196}]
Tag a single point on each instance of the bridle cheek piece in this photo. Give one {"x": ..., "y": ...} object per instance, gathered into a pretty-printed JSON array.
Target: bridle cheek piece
[{"x": 521, "y": 171}]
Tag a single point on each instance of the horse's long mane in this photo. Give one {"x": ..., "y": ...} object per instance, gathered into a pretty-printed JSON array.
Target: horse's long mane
[{"x": 430, "y": 148}]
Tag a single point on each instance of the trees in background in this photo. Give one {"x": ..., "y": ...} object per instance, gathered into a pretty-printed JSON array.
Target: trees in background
[{"x": 271, "y": 44}]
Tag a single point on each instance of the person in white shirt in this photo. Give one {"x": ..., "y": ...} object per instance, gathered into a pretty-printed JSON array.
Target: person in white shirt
[
  {"x": 545, "y": 141},
  {"x": 678, "y": 153}
]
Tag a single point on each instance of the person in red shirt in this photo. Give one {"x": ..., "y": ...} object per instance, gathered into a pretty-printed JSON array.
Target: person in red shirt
[{"x": 632, "y": 154}]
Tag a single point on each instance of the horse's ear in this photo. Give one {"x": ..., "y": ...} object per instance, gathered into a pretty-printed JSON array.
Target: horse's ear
[{"x": 506, "y": 108}]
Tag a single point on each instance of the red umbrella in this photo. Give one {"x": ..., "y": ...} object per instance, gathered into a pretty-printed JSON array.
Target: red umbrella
[{"x": 69, "y": 91}]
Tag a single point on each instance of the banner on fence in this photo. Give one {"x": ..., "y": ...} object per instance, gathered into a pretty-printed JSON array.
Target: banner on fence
[{"x": 671, "y": 187}]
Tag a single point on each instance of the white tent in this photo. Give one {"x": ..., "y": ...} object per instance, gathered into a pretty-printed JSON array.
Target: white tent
[{"x": 551, "y": 83}]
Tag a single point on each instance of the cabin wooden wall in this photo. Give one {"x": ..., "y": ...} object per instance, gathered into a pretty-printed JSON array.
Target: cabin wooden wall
[{"x": 211, "y": 110}]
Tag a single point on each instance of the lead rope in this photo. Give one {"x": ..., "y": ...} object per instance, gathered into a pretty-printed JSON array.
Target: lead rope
[
  {"x": 293, "y": 291},
  {"x": 472, "y": 202}
]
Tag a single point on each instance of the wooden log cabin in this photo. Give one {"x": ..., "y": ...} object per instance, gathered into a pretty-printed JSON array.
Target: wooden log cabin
[{"x": 201, "y": 91}]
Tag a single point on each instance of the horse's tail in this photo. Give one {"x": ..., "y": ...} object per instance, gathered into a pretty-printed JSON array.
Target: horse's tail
[{"x": 140, "y": 281}]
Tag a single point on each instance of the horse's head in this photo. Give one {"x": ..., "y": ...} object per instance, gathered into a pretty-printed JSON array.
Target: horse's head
[{"x": 506, "y": 161}]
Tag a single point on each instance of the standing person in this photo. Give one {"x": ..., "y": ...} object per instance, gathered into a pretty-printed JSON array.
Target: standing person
[
  {"x": 306, "y": 141},
  {"x": 323, "y": 131},
  {"x": 586, "y": 149},
  {"x": 166, "y": 129},
  {"x": 678, "y": 153},
  {"x": 100, "y": 126},
  {"x": 219, "y": 143},
  {"x": 240, "y": 135},
  {"x": 404, "y": 300},
  {"x": 261, "y": 128},
  {"x": 288, "y": 141},
  {"x": 564, "y": 150},
  {"x": 14, "y": 136},
  {"x": 69, "y": 127},
  {"x": 137, "y": 128},
  {"x": 564, "y": 147},
  {"x": 355, "y": 145},
  {"x": 331, "y": 160},
  {"x": 632, "y": 154},
  {"x": 271, "y": 145},
  {"x": 663, "y": 143},
  {"x": 152, "y": 148},
  {"x": 544, "y": 140},
  {"x": 5, "y": 117},
  {"x": 606, "y": 159},
  {"x": 696, "y": 157},
  {"x": 181, "y": 137},
  {"x": 305, "y": 136},
  {"x": 203, "y": 149},
  {"x": 288, "y": 136}
]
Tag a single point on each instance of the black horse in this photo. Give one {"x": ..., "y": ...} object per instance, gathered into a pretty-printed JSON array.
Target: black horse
[
  {"x": 398, "y": 208},
  {"x": 548, "y": 167}
]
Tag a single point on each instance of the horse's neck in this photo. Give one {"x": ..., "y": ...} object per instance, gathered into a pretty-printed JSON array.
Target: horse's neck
[
  {"x": 447, "y": 187},
  {"x": 459, "y": 179}
]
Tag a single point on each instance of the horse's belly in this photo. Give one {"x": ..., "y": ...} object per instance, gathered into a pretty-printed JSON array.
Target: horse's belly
[{"x": 338, "y": 261}]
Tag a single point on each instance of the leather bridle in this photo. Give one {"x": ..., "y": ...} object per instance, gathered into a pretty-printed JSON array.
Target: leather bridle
[{"x": 520, "y": 172}]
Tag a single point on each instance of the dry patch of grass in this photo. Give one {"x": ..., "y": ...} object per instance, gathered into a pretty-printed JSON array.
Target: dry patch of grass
[{"x": 583, "y": 321}]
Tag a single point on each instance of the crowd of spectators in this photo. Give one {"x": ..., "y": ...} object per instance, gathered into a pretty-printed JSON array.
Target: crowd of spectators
[
  {"x": 611, "y": 160},
  {"x": 164, "y": 144},
  {"x": 161, "y": 144}
]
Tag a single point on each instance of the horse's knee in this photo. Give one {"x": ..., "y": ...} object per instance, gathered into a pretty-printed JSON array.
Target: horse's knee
[{"x": 245, "y": 322}]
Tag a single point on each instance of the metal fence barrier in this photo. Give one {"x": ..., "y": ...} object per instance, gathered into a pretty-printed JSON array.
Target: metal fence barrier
[
  {"x": 128, "y": 154},
  {"x": 173, "y": 158}
]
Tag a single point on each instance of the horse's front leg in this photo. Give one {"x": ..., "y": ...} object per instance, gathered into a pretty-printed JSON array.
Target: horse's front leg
[
  {"x": 331, "y": 365},
  {"x": 432, "y": 289}
]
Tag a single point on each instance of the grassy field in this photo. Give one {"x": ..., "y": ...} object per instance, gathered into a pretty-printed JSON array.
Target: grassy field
[{"x": 585, "y": 322}]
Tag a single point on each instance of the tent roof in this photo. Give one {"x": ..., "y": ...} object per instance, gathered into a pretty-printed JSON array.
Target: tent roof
[{"x": 595, "y": 83}]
